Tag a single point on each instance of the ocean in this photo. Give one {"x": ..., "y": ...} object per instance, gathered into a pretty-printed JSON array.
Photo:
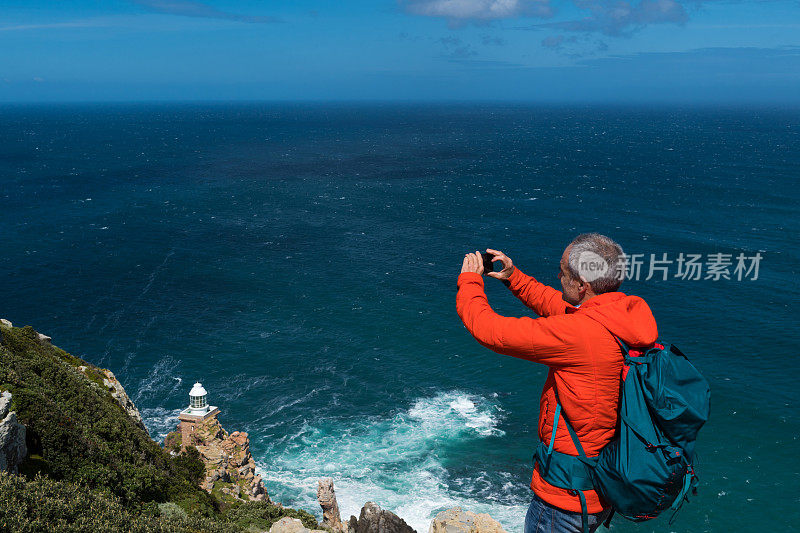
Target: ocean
[{"x": 300, "y": 260}]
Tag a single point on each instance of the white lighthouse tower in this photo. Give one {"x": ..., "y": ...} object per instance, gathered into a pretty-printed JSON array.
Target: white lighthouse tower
[
  {"x": 197, "y": 412},
  {"x": 198, "y": 405}
]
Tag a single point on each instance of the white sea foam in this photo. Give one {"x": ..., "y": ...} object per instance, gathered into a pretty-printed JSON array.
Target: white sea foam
[
  {"x": 161, "y": 379},
  {"x": 396, "y": 461},
  {"x": 160, "y": 421}
]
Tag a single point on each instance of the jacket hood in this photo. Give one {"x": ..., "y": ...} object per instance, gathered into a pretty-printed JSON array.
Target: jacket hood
[{"x": 627, "y": 317}]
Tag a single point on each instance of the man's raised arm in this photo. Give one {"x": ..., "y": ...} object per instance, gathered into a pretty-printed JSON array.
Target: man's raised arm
[
  {"x": 543, "y": 340},
  {"x": 543, "y": 299}
]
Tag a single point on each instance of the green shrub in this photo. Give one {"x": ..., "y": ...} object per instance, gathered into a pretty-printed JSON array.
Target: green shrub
[
  {"x": 173, "y": 441},
  {"x": 189, "y": 465},
  {"x": 171, "y": 510},
  {"x": 263, "y": 514},
  {"x": 42, "y": 504}
]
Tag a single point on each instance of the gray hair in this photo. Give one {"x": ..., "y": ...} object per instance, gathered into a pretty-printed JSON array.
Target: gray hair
[{"x": 598, "y": 260}]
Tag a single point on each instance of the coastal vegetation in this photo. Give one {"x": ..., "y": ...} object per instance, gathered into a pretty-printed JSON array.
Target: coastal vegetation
[{"x": 90, "y": 466}]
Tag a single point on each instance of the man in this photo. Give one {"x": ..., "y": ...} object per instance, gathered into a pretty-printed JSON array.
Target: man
[{"x": 575, "y": 338}]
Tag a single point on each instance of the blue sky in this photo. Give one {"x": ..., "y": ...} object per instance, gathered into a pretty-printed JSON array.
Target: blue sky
[{"x": 531, "y": 50}]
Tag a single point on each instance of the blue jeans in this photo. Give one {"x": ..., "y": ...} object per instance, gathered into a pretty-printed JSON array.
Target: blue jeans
[{"x": 544, "y": 518}]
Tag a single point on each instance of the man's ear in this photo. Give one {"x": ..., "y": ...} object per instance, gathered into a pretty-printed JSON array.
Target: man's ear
[{"x": 583, "y": 285}]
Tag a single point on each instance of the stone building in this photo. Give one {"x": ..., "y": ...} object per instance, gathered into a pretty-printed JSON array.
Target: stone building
[{"x": 198, "y": 412}]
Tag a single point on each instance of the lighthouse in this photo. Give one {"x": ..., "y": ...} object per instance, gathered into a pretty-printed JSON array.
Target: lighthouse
[{"x": 198, "y": 411}]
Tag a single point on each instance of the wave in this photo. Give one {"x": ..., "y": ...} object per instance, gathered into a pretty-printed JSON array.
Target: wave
[{"x": 398, "y": 461}]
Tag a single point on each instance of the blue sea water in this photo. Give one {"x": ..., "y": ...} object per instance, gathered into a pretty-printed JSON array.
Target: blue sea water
[{"x": 300, "y": 261}]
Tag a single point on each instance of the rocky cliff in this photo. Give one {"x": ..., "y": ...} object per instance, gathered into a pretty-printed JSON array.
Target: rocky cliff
[
  {"x": 118, "y": 393},
  {"x": 230, "y": 469},
  {"x": 373, "y": 519}
]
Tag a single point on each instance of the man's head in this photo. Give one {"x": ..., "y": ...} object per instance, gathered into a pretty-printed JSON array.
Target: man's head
[{"x": 592, "y": 264}]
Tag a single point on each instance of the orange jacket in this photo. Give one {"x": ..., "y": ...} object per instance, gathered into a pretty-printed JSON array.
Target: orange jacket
[{"x": 584, "y": 360}]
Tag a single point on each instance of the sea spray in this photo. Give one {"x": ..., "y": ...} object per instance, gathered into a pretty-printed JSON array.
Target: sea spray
[{"x": 399, "y": 461}]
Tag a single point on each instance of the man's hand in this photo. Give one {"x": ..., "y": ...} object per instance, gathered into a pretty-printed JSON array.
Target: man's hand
[
  {"x": 508, "y": 266},
  {"x": 473, "y": 263}
]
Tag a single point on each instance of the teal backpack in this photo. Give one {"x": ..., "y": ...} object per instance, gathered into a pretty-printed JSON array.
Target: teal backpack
[{"x": 648, "y": 467}]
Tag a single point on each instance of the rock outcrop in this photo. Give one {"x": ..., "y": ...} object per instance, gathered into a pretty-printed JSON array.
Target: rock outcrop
[
  {"x": 373, "y": 519},
  {"x": 330, "y": 507},
  {"x": 456, "y": 520},
  {"x": 114, "y": 387},
  {"x": 292, "y": 525},
  {"x": 230, "y": 468},
  {"x": 12, "y": 437},
  {"x": 5, "y": 404},
  {"x": 119, "y": 394}
]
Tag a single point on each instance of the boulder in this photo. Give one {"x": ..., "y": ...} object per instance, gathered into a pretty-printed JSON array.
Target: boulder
[
  {"x": 373, "y": 519},
  {"x": 5, "y": 404},
  {"x": 291, "y": 525},
  {"x": 12, "y": 437},
  {"x": 456, "y": 520},
  {"x": 6, "y": 323}
]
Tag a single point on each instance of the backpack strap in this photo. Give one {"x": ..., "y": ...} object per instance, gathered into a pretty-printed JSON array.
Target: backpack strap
[
  {"x": 555, "y": 426},
  {"x": 641, "y": 359},
  {"x": 690, "y": 482},
  {"x": 607, "y": 523},
  {"x": 590, "y": 463},
  {"x": 625, "y": 347},
  {"x": 581, "y": 454}
]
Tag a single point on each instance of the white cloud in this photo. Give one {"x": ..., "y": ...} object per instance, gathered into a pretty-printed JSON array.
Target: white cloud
[
  {"x": 74, "y": 24},
  {"x": 620, "y": 17},
  {"x": 478, "y": 10},
  {"x": 191, "y": 8}
]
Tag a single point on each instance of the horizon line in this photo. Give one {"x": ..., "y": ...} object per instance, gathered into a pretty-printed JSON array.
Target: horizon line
[{"x": 451, "y": 101}]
